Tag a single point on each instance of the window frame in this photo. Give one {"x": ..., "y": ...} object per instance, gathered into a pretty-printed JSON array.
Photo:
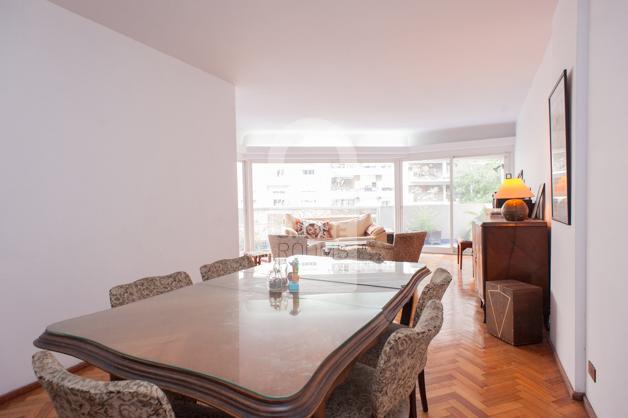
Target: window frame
[{"x": 363, "y": 155}]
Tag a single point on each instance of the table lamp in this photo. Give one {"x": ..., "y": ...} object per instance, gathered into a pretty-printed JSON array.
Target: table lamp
[{"x": 510, "y": 195}]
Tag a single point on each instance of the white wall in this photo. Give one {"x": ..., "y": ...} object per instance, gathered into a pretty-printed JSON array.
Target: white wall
[
  {"x": 116, "y": 162},
  {"x": 564, "y": 51},
  {"x": 607, "y": 273}
]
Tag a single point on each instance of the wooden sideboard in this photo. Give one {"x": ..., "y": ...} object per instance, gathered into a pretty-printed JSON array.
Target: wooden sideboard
[{"x": 511, "y": 250}]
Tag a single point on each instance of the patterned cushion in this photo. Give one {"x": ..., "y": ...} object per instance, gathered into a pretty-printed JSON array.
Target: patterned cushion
[
  {"x": 404, "y": 355},
  {"x": 147, "y": 287},
  {"x": 313, "y": 229},
  {"x": 371, "y": 357},
  {"x": 226, "y": 266},
  {"x": 430, "y": 323},
  {"x": 352, "y": 399},
  {"x": 74, "y": 396},
  {"x": 383, "y": 391},
  {"x": 356, "y": 253},
  {"x": 434, "y": 290}
]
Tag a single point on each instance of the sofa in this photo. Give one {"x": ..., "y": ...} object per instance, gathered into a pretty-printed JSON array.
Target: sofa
[{"x": 334, "y": 228}]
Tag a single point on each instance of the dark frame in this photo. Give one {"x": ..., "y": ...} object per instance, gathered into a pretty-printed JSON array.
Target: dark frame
[{"x": 561, "y": 209}]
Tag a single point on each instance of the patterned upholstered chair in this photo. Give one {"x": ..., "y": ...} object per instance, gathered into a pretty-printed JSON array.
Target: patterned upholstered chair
[
  {"x": 147, "y": 287},
  {"x": 383, "y": 391},
  {"x": 286, "y": 246},
  {"x": 407, "y": 246},
  {"x": 356, "y": 253},
  {"x": 434, "y": 290},
  {"x": 74, "y": 396},
  {"x": 226, "y": 266}
]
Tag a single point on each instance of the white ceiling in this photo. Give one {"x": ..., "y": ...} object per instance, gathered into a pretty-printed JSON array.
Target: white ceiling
[{"x": 418, "y": 65}]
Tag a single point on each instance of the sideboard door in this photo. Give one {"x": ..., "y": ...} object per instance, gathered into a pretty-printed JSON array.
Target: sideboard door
[{"x": 512, "y": 251}]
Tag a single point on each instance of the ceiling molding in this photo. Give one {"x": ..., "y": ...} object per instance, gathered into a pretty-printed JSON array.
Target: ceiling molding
[{"x": 362, "y": 154}]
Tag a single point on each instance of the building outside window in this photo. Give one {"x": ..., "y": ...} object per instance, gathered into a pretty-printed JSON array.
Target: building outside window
[
  {"x": 440, "y": 196},
  {"x": 320, "y": 190}
]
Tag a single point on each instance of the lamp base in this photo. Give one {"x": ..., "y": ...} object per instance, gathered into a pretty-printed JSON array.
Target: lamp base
[
  {"x": 498, "y": 203},
  {"x": 515, "y": 210}
]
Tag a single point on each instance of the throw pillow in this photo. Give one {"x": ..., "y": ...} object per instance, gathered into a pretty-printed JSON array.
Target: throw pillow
[{"x": 314, "y": 229}]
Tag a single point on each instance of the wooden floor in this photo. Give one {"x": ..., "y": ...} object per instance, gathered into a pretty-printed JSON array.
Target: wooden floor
[{"x": 469, "y": 372}]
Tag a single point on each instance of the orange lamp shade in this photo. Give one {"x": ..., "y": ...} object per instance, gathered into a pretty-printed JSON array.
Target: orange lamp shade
[{"x": 513, "y": 189}]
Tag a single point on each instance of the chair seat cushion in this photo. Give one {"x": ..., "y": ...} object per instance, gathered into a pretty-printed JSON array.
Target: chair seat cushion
[
  {"x": 352, "y": 399},
  {"x": 372, "y": 355}
]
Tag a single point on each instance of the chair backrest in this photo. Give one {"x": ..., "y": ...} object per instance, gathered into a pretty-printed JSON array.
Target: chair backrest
[
  {"x": 147, "y": 287},
  {"x": 408, "y": 246},
  {"x": 74, "y": 396},
  {"x": 287, "y": 246},
  {"x": 356, "y": 253},
  {"x": 226, "y": 266},
  {"x": 404, "y": 355},
  {"x": 434, "y": 290}
]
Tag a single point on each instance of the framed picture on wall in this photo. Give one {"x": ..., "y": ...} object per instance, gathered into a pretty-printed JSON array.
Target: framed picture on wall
[{"x": 560, "y": 151}]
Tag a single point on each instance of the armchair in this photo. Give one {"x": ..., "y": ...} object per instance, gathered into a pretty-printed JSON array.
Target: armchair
[{"x": 406, "y": 247}]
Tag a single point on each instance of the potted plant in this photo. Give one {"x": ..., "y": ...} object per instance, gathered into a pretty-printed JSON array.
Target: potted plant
[{"x": 424, "y": 220}]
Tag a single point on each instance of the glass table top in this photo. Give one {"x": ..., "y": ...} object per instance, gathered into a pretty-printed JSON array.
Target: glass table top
[{"x": 234, "y": 329}]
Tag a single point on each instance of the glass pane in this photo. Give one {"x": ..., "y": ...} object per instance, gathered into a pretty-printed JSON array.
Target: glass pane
[
  {"x": 475, "y": 181},
  {"x": 320, "y": 190},
  {"x": 426, "y": 191},
  {"x": 241, "y": 220}
]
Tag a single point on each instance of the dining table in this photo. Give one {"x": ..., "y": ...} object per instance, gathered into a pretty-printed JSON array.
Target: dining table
[{"x": 243, "y": 347}]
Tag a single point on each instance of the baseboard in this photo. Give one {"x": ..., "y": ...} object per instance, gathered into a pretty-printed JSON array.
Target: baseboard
[
  {"x": 576, "y": 396},
  {"x": 587, "y": 407},
  {"x": 22, "y": 390}
]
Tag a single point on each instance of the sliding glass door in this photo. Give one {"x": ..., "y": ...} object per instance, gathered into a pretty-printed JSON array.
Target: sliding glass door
[
  {"x": 426, "y": 200},
  {"x": 475, "y": 179},
  {"x": 442, "y": 196}
]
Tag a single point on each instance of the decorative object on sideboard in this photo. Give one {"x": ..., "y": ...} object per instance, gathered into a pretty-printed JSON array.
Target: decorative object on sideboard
[
  {"x": 560, "y": 149},
  {"x": 538, "y": 211},
  {"x": 514, "y": 311},
  {"x": 511, "y": 194},
  {"x": 515, "y": 210}
]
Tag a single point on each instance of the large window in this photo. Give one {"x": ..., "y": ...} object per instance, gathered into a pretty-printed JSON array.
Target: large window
[
  {"x": 443, "y": 196},
  {"x": 320, "y": 190},
  {"x": 426, "y": 197},
  {"x": 475, "y": 181},
  {"x": 241, "y": 212}
]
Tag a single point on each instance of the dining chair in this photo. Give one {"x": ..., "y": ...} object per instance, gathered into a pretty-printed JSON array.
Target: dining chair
[
  {"x": 356, "y": 253},
  {"x": 434, "y": 290},
  {"x": 226, "y": 266},
  {"x": 147, "y": 287},
  {"x": 388, "y": 389},
  {"x": 74, "y": 396},
  {"x": 288, "y": 245},
  {"x": 407, "y": 246}
]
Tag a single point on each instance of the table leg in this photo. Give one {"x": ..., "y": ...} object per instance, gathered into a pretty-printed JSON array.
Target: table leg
[
  {"x": 413, "y": 413},
  {"x": 406, "y": 311}
]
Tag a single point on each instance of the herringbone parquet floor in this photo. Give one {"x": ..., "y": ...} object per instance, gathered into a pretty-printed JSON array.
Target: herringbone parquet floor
[{"x": 469, "y": 372}]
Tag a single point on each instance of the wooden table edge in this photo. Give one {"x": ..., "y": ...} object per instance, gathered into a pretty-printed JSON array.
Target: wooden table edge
[{"x": 229, "y": 397}]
